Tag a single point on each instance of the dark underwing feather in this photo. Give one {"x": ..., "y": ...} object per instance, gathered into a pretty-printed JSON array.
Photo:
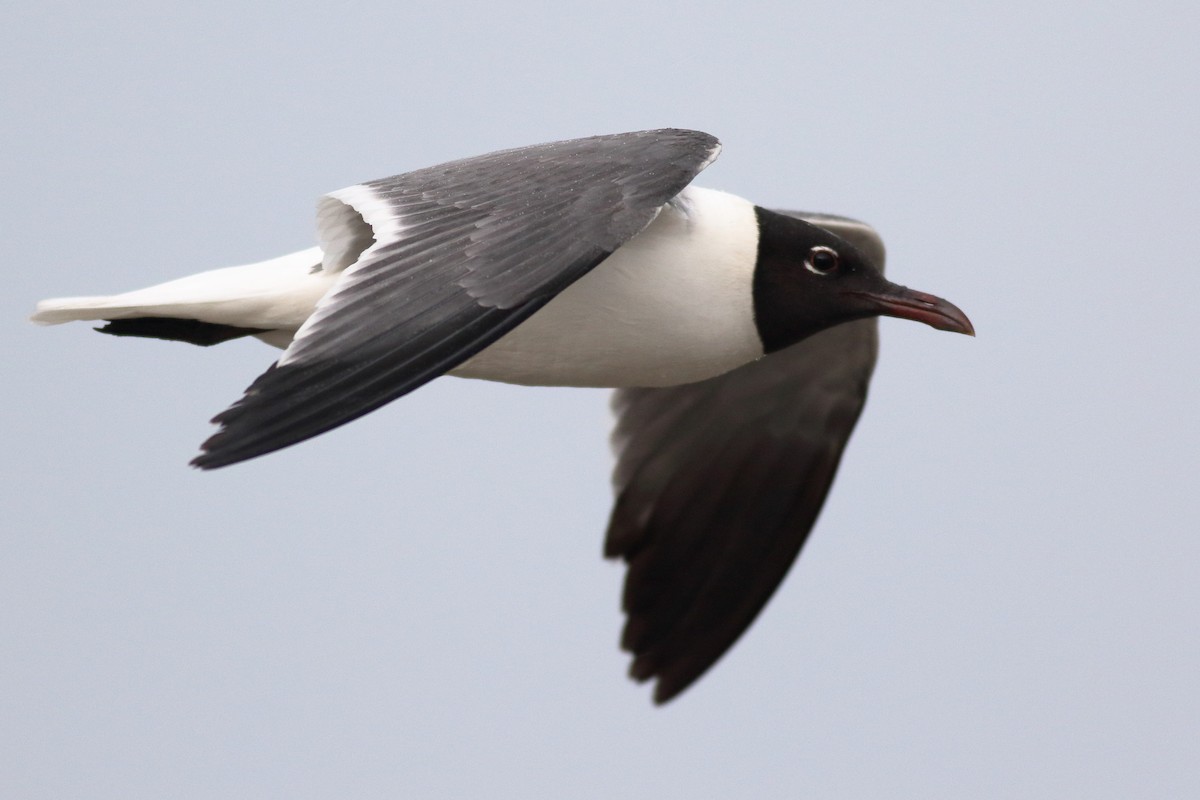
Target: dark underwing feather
[
  {"x": 486, "y": 242},
  {"x": 191, "y": 331},
  {"x": 719, "y": 483}
]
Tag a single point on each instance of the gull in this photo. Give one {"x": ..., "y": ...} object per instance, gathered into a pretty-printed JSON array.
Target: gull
[{"x": 740, "y": 341}]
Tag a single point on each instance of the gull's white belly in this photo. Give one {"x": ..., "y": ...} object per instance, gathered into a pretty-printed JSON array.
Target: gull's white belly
[{"x": 673, "y": 305}]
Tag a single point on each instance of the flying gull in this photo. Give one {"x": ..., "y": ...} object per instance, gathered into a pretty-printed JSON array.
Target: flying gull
[{"x": 740, "y": 341}]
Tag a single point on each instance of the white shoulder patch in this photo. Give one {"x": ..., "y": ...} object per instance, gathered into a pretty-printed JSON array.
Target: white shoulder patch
[{"x": 351, "y": 223}]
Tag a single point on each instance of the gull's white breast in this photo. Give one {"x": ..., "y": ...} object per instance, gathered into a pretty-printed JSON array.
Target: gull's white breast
[{"x": 673, "y": 305}]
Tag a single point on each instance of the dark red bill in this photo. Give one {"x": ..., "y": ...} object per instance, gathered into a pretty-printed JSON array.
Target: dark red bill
[{"x": 905, "y": 303}]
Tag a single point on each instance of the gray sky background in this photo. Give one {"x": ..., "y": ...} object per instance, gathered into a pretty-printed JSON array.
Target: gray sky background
[{"x": 1000, "y": 598}]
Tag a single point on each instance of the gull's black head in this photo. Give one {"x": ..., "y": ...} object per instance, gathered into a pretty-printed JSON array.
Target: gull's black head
[{"x": 808, "y": 279}]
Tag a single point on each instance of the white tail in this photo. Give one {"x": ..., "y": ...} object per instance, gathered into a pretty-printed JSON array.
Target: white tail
[{"x": 272, "y": 295}]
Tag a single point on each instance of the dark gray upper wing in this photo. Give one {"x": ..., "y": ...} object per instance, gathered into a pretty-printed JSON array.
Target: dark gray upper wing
[
  {"x": 719, "y": 482},
  {"x": 441, "y": 262}
]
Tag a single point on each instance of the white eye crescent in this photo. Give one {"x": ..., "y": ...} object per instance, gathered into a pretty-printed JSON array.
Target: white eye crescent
[{"x": 822, "y": 260}]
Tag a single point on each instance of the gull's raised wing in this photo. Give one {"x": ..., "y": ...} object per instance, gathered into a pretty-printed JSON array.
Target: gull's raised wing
[{"x": 439, "y": 263}]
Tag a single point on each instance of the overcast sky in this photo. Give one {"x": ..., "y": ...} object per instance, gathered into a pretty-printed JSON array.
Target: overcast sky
[{"x": 1000, "y": 599}]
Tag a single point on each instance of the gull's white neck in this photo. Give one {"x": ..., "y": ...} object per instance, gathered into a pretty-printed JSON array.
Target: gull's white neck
[{"x": 673, "y": 305}]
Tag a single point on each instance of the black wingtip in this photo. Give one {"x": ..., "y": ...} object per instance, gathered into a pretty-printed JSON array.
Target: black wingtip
[
  {"x": 669, "y": 681},
  {"x": 226, "y": 447},
  {"x": 206, "y": 461},
  {"x": 204, "y": 334},
  {"x": 220, "y": 450},
  {"x": 216, "y": 459},
  {"x": 664, "y": 693},
  {"x": 210, "y": 456},
  {"x": 215, "y": 451}
]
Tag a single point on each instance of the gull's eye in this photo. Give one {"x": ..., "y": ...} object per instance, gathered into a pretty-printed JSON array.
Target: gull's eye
[{"x": 822, "y": 260}]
